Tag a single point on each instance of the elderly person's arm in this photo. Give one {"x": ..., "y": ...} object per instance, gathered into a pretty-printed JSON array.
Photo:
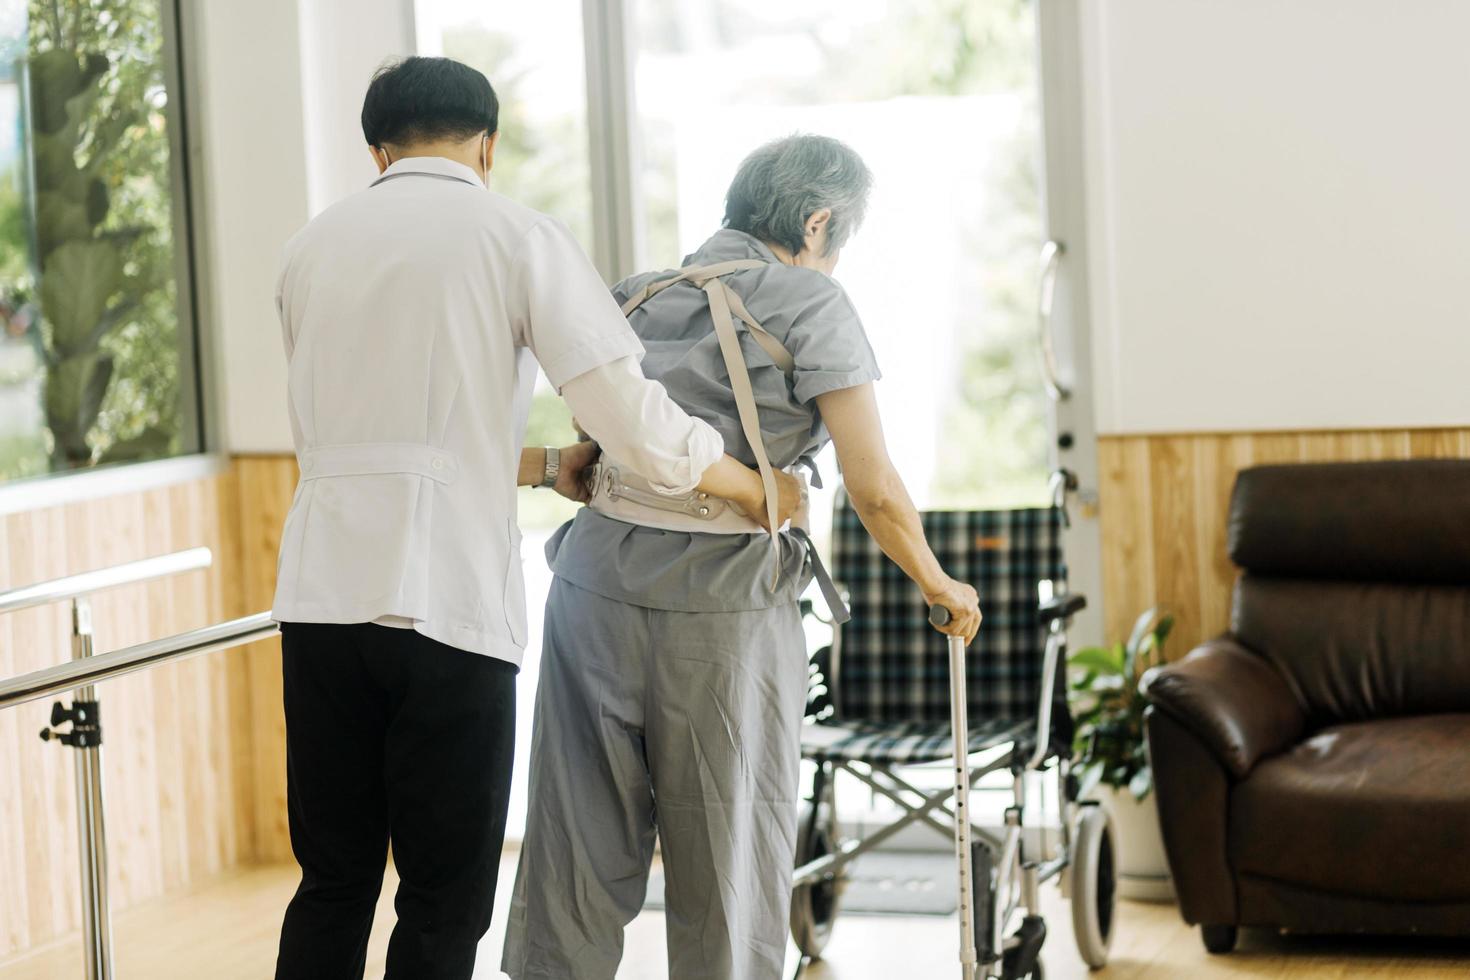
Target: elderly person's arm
[{"x": 883, "y": 504}]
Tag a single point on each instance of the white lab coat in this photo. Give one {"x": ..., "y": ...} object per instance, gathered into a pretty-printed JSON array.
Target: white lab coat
[{"x": 409, "y": 310}]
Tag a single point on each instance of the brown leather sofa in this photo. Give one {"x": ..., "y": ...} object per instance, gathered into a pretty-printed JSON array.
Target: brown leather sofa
[{"x": 1313, "y": 765}]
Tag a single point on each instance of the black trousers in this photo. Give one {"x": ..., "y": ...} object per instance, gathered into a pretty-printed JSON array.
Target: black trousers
[{"x": 391, "y": 736}]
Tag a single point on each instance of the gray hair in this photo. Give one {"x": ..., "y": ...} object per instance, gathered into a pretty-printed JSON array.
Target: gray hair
[{"x": 783, "y": 183}]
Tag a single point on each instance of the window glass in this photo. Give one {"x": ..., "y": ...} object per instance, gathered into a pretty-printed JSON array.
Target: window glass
[
  {"x": 96, "y": 349},
  {"x": 940, "y": 98},
  {"x": 532, "y": 54}
]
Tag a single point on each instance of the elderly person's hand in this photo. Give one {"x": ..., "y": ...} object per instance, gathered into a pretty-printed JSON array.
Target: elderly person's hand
[
  {"x": 790, "y": 499},
  {"x": 963, "y": 603}
]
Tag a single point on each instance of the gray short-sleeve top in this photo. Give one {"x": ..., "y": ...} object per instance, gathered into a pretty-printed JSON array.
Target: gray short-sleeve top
[{"x": 811, "y": 315}]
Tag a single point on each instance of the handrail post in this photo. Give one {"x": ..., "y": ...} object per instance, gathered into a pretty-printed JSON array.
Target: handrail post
[{"x": 86, "y": 738}]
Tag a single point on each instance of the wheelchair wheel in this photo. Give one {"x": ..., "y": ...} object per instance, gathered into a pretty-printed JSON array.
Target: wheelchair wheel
[
  {"x": 814, "y": 907},
  {"x": 1093, "y": 886}
]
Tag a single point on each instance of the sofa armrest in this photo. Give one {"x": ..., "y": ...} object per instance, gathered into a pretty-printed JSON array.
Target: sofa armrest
[{"x": 1233, "y": 699}]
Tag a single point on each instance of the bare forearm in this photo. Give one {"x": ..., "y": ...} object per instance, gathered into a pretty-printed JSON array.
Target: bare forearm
[
  {"x": 533, "y": 467},
  {"x": 886, "y": 510},
  {"x": 729, "y": 478}
]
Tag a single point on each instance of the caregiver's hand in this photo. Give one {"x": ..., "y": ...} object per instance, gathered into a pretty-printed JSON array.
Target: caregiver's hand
[
  {"x": 571, "y": 482},
  {"x": 963, "y": 604}
]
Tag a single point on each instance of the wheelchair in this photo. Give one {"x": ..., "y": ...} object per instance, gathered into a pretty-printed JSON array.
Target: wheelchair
[{"x": 880, "y": 702}]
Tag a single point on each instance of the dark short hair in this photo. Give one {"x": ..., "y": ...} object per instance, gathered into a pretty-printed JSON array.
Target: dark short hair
[
  {"x": 418, "y": 100},
  {"x": 783, "y": 183}
]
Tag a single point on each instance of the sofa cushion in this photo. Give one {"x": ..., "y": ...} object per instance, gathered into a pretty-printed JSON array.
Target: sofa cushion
[
  {"x": 1374, "y": 809},
  {"x": 1354, "y": 651},
  {"x": 1382, "y": 521}
]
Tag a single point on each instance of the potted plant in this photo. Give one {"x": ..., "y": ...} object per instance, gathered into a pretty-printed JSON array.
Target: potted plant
[{"x": 1112, "y": 760}]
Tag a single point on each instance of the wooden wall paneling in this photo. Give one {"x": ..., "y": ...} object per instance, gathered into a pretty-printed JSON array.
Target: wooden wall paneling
[
  {"x": 131, "y": 767},
  {"x": 267, "y": 485},
  {"x": 1126, "y": 496},
  {"x": 1217, "y": 459},
  {"x": 179, "y": 752},
  {"x": 14, "y": 896},
  {"x": 1164, "y": 508},
  {"x": 229, "y": 598},
  {"x": 1439, "y": 444},
  {"x": 1175, "y": 520},
  {"x": 51, "y": 845}
]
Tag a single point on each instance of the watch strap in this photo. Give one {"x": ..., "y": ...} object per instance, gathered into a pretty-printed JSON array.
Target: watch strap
[{"x": 553, "y": 467}]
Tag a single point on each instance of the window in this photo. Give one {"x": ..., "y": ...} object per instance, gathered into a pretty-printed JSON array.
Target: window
[
  {"x": 97, "y": 349},
  {"x": 941, "y": 100},
  {"x": 532, "y": 55}
]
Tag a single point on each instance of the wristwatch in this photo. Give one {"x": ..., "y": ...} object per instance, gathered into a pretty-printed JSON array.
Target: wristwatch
[{"x": 553, "y": 467}]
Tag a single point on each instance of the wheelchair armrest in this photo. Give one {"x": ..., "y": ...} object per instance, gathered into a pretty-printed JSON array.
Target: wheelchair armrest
[{"x": 1063, "y": 606}]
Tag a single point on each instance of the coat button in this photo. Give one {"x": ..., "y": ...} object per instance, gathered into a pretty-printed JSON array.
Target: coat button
[
  {"x": 307, "y": 464},
  {"x": 437, "y": 463}
]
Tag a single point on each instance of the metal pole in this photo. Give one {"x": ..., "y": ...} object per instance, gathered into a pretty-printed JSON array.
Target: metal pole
[
  {"x": 91, "y": 819},
  {"x": 612, "y": 133},
  {"x": 960, "y": 728},
  {"x": 105, "y": 666},
  {"x": 59, "y": 590}
]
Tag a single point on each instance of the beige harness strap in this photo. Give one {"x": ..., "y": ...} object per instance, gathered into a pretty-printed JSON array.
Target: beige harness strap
[
  {"x": 700, "y": 275},
  {"x": 744, "y": 400},
  {"x": 724, "y": 306}
]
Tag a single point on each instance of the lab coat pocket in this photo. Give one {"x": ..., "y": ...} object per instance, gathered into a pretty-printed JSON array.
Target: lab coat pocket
[{"x": 515, "y": 586}]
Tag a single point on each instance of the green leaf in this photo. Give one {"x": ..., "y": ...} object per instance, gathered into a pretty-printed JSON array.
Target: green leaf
[
  {"x": 1141, "y": 783},
  {"x": 1141, "y": 629},
  {"x": 1085, "y": 682},
  {"x": 60, "y": 219},
  {"x": 77, "y": 284},
  {"x": 1161, "y": 632},
  {"x": 151, "y": 443},
  {"x": 75, "y": 387},
  {"x": 1100, "y": 660}
]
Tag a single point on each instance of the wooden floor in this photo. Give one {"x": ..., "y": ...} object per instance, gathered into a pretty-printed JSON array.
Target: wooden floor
[{"x": 227, "y": 931}]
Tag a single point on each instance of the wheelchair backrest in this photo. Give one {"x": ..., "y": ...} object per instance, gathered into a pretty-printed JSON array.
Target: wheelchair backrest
[{"x": 892, "y": 666}]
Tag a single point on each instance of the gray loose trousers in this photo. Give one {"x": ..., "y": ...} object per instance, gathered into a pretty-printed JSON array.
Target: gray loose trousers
[{"x": 677, "y": 723}]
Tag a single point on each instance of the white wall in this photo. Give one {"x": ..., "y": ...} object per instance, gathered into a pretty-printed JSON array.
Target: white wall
[
  {"x": 252, "y": 168},
  {"x": 277, "y": 139},
  {"x": 342, "y": 43},
  {"x": 1279, "y": 213}
]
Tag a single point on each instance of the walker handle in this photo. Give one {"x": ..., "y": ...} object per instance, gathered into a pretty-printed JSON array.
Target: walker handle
[{"x": 939, "y": 616}]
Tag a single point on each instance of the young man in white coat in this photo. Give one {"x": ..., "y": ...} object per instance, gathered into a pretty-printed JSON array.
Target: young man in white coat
[{"x": 411, "y": 313}]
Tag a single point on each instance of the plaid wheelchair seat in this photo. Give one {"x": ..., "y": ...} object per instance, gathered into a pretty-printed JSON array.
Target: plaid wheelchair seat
[
  {"x": 891, "y": 690},
  {"x": 900, "y": 743}
]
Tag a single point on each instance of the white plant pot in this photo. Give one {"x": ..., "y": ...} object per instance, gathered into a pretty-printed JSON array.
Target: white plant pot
[{"x": 1143, "y": 868}]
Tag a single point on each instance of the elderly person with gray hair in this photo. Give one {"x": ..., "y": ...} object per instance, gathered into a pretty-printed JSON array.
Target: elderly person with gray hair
[{"x": 674, "y": 673}]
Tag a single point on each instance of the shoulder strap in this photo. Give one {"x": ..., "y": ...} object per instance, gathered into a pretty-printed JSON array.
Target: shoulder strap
[
  {"x": 699, "y": 275},
  {"x": 725, "y": 306}
]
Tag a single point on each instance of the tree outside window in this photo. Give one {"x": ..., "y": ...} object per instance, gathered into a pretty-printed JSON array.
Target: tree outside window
[{"x": 91, "y": 369}]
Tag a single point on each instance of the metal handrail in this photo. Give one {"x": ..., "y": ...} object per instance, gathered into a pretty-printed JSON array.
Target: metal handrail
[
  {"x": 43, "y": 683},
  {"x": 85, "y": 715},
  {"x": 85, "y": 583}
]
